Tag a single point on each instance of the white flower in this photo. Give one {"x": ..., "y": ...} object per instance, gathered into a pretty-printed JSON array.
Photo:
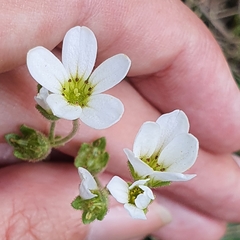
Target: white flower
[
  {"x": 41, "y": 99},
  {"x": 75, "y": 91},
  {"x": 87, "y": 185},
  {"x": 135, "y": 198},
  {"x": 164, "y": 149}
]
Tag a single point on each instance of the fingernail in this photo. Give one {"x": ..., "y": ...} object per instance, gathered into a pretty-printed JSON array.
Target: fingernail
[{"x": 165, "y": 215}]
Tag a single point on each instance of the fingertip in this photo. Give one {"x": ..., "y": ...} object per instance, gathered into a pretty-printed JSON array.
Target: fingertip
[
  {"x": 121, "y": 226},
  {"x": 161, "y": 212}
]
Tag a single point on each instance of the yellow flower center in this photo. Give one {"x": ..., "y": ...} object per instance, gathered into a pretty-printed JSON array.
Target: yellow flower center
[
  {"x": 152, "y": 162},
  {"x": 76, "y": 91},
  {"x": 133, "y": 193}
]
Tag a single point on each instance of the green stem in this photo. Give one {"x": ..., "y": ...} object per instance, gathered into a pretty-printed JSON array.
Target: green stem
[
  {"x": 51, "y": 131},
  {"x": 63, "y": 140},
  {"x": 98, "y": 182}
]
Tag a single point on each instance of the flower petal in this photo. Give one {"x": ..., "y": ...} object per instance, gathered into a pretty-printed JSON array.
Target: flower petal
[
  {"x": 46, "y": 69},
  {"x": 147, "y": 191},
  {"x": 141, "y": 168},
  {"x": 110, "y": 73},
  {"x": 171, "y": 176},
  {"x": 41, "y": 99},
  {"x": 171, "y": 125},
  {"x": 88, "y": 183},
  {"x": 79, "y": 52},
  {"x": 134, "y": 211},
  {"x": 85, "y": 193},
  {"x": 139, "y": 183},
  {"x": 142, "y": 201},
  {"x": 118, "y": 189},
  {"x": 87, "y": 178},
  {"x": 62, "y": 109},
  {"x": 103, "y": 111},
  {"x": 180, "y": 154},
  {"x": 147, "y": 140}
]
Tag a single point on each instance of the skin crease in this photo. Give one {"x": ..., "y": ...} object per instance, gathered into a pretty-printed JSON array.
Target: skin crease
[{"x": 176, "y": 63}]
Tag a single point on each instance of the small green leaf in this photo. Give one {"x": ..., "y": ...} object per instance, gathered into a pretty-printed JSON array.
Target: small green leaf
[
  {"x": 31, "y": 145},
  {"x": 26, "y": 130},
  {"x": 94, "y": 208},
  {"x": 100, "y": 143},
  {"x": 77, "y": 203},
  {"x": 92, "y": 156}
]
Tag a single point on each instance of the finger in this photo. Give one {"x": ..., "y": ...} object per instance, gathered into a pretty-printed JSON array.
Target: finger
[
  {"x": 125, "y": 131},
  {"x": 192, "y": 76},
  {"x": 44, "y": 210},
  {"x": 214, "y": 190},
  {"x": 118, "y": 219},
  {"x": 36, "y": 204},
  {"x": 19, "y": 108},
  {"x": 170, "y": 101},
  {"x": 189, "y": 70},
  {"x": 193, "y": 62},
  {"x": 31, "y": 23},
  {"x": 193, "y": 225}
]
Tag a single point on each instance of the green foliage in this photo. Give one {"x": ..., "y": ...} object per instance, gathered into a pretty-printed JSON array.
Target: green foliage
[
  {"x": 94, "y": 208},
  {"x": 31, "y": 145},
  {"x": 92, "y": 156}
]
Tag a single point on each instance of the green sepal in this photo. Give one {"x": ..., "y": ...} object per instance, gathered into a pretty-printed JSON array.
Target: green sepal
[
  {"x": 94, "y": 208},
  {"x": 92, "y": 156},
  {"x": 133, "y": 173},
  {"x": 31, "y": 145},
  {"x": 47, "y": 115},
  {"x": 152, "y": 183},
  {"x": 100, "y": 143},
  {"x": 39, "y": 86},
  {"x": 77, "y": 203}
]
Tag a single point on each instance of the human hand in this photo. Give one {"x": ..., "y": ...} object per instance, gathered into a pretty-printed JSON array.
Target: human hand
[{"x": 176, "y": 64}]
